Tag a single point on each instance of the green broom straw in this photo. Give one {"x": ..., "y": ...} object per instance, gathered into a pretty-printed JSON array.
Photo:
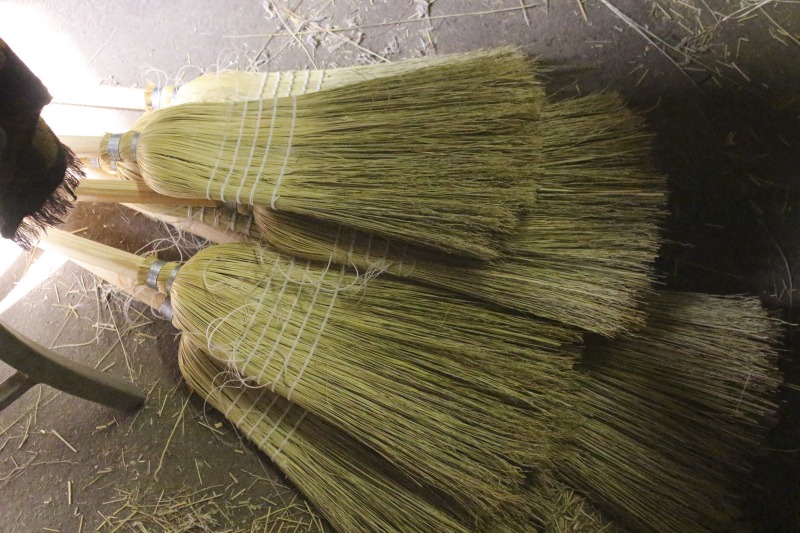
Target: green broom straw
[
  {"x": 237, "y": 85},
  {"x": 458, "y": 396},
  {"x": 674, "y": 413},
  {"x": 316, "y": 456},
  {"x": 435, "y": 155},
  {"x": 353, "y": 487},
  {"x": 583, "y": 253},
  {"x": 670, "y": 415}
]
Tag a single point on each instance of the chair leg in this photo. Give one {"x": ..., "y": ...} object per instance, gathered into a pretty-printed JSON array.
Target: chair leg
[
  {"x": 13, "y": 387},
  {"x": 41, "y": 365}
]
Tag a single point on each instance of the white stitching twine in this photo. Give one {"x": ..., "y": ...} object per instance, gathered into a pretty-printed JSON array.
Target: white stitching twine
[
  {"x": 320, "y": 330},
  {"x": 232, "y": 164},
  {"x": 305, "y": 320},
  {"x": 278, "y": 339},
  {"x": 288, "y": 436},
  {"x": 277, "y": 423},
  {"x": 278, "y": 76},
  {"x": 252, "y": 146},
  {"x": 290, "y": 84},
  {"x": 221, "y": 149},
  {"x": 271, "y": 315},
  {"x": 284, "y": 372},
  {"x": 266, "y": 151},
  {"x": 269, "y": 322},
  {"x": 321, "y": 77},
  {"x": 275, "y": 195},
  {"x": 304, "y": 88}
]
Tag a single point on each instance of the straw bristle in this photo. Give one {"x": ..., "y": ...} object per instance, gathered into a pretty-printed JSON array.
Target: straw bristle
[
  {"x": 353, "y": 487},
  {"x": 233, "y": 85},
  {"x": 560, "y": 509},
  {"x": 583, "y": 253},
  {"x": 458, "y": 396},
  {"x": 435, "y": 155},
  {"x": 674, "y": 412}
]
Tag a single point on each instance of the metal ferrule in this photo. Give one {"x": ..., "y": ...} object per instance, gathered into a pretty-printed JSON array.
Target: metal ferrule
[
  {"x": 153, "y": 272},
  {"x": 171, "y": 278},
  {"x": 166, "y": 309},
  {"x": 114, "y": 141}
]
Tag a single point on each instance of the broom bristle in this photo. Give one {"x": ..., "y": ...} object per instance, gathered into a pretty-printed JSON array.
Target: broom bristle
[
  {"x": 456, "y": 395},
  {"x": 354, "y": 488},
  {"x": 233, "y": 85},
  {"x": 583, "y": 253},
  {"x": 435, "y": 156},
  {"x": 674, "y": 413}
]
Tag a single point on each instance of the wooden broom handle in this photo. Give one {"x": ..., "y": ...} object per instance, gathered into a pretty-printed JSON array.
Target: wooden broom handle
[
  {"x": 83, "y": 145},
  {"x": 85, "y": 250},
  {"x": 102, "y": 96},
  {"x": 131, "y": 192}
]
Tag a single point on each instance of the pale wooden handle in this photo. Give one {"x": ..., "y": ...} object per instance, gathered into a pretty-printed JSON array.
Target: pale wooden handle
[
  {"x": 215, "y": 234},
  {"x": 140, "y": 293},
  {"x": 102, "y": 96},
  {"x": 132, "y": 192},
  {"x": 87, "y": 251},
  {"x": 83, "y": 145}
]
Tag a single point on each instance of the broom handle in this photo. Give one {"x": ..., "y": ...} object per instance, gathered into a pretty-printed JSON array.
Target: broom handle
[
  {"x": 83, "y": 145},
  {"x": 215, "y": 234},
  {"x": 87, "y": 251},
  {"x": 102, "y": 96},
  {"x": 130, "y": 286},
  {"x": 131, "y": 192}
]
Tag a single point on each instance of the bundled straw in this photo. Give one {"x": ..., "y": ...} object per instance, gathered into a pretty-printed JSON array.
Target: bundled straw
[
  {"x": 458, "y": 396},
  {"x": 237, "y": 85},
  {"x": 559, "y": 509},
  {"x": 674, "y": 413},
  {"x": 583, "y": 253},
  {"x": 437, "y": 155},
  {"x": 353, "y": 487}
]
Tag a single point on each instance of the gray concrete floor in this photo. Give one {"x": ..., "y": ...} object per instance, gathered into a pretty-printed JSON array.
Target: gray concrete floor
[{"x": 725, "y": 112}]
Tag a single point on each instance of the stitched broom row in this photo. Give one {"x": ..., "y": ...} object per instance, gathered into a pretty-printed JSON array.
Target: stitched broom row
[
  {"x": 435, "y": 155},
  {"x": 583, "y": 252},
  {"x": 459, "y": 397},
  {"x": 674, "y": 413}
]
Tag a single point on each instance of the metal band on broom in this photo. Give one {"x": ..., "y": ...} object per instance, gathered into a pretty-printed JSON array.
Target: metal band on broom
[
  {"x": 462, "y": 398},
  {"x": 436, "y": 156}
]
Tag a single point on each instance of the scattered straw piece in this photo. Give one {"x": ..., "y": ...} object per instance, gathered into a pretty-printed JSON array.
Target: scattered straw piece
[{"x": 62, "y": 439}]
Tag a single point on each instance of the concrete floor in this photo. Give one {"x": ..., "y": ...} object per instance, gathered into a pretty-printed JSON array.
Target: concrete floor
[{"x": 726, "y": 118}]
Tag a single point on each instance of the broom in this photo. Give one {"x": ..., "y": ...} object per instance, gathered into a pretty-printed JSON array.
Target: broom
[
  {"x": 674, "y": 413},
  {"x": 583, "y": 253},
  {"x": 436, "y": 155},
  {"x": 318, "y": 457},
  {"x": 458, "y": 396}
]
